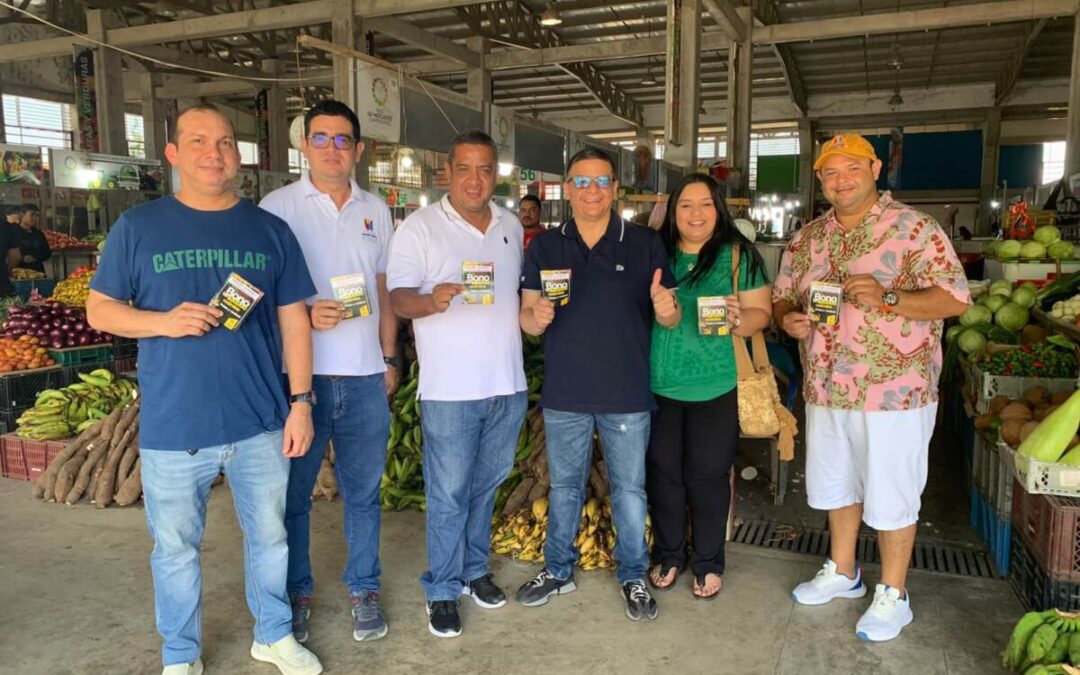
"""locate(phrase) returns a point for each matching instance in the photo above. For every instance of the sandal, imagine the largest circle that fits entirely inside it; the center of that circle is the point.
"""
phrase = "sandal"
(664, 571)
(699, 584)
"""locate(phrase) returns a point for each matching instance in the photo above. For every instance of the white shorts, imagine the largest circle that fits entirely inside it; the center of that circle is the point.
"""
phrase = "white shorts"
(877, 459)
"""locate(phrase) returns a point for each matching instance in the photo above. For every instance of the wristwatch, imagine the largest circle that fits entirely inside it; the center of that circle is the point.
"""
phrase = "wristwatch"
(889, 300)
(392, 361)
(304, 397)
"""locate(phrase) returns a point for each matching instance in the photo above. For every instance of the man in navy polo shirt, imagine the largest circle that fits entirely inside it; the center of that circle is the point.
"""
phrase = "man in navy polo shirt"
(213, 401)
(597, 372)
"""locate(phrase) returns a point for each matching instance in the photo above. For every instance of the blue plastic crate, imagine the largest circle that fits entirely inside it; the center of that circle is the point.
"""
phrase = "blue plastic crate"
(993, 529)
(23, 287)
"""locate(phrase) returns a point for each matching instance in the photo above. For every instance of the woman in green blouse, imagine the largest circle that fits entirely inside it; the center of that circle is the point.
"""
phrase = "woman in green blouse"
(695, 430)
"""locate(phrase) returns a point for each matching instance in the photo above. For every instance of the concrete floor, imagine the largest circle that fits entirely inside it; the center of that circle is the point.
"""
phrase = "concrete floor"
(76, 598)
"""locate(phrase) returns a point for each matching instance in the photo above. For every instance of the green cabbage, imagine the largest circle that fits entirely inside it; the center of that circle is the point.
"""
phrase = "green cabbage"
(1060, 250)
(1001, 287)
(1047, 234)
(1012, 317)
(1007, 250)
(954, 332)
(1032, 250)
(975, 315)
(971, 340)
(1024, 296)
(994, 302)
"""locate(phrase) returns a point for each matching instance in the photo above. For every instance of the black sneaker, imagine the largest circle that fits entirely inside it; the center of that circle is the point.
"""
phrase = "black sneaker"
(484, 592)
(640, 604)
(301, 612)
(536, 592)
(443, 619)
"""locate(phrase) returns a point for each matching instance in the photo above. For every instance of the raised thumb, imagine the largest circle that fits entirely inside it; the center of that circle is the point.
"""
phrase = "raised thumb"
(656, 278)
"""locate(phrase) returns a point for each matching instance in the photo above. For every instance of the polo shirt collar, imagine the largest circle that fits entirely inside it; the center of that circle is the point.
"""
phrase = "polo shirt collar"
(453, 215)
(616, 229)
(885, 199)
(357, 195)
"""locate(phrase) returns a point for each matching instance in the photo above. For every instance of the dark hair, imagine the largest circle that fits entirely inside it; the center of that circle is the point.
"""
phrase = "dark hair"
(473, 137)
(331, 108)
(589, 153)
(724, 234)
(198, 107)
(29, 208)
(530, 198)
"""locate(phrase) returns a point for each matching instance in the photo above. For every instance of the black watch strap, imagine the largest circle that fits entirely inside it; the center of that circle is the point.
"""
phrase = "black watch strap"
(392, 361)
(303, 397)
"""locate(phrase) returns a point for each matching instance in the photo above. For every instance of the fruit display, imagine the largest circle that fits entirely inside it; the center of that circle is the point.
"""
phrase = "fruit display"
(101, 465)
(63, 413)
(1052, 359)
(1054, 438)
(1045, 243)
(54, 325)
(1015, 420)
(1044, 643)
(74, 290)
(402, 483)
(23, 353)
(23, 274)
(59, 240)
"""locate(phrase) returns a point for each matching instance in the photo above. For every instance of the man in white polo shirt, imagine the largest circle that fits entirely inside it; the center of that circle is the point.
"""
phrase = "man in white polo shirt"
(454, 269)
(345, 235)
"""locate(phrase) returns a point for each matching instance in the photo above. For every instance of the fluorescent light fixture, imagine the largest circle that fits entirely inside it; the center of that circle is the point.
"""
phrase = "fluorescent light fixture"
(423, 201)
(995, 204)
(647, 79)
(550, 17)
(505, 168)
(627, 214)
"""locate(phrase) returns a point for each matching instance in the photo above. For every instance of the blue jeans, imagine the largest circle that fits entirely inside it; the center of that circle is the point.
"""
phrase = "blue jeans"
(353, 412)
(468, 452)
(570, 447)
(176, 487)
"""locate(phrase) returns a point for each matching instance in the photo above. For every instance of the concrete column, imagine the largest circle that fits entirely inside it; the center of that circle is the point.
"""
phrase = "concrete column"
(990, 151)
(740, 73)
(685, 96)
(479, 79)
(348, 30)
(806, 166)
(279, 119)
(3, 124)
(109, 85)
(153, 113)
(1072, 148)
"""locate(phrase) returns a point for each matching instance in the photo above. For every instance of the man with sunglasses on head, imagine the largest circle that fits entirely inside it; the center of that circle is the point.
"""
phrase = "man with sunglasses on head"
(597, 372)
(345, 235)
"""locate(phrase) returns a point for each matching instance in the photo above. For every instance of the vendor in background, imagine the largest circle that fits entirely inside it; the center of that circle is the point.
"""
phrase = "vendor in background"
(871, 378)
(695, 431)
(8, 246)
(529, 215)
(30, 240)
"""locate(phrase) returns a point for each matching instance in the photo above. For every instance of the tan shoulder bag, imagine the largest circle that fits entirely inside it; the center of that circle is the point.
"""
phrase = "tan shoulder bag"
(761, 414)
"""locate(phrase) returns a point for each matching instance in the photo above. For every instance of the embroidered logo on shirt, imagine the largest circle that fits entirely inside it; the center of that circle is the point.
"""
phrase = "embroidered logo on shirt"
(368, 224)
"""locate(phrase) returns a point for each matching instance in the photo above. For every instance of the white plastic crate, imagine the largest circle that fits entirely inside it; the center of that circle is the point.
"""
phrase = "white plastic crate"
(982, 388)
(1045, 478)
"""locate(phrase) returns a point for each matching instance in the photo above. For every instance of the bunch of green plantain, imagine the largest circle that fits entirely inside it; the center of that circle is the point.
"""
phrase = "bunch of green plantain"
(402, 484)
(64, 413)
(1044, 643)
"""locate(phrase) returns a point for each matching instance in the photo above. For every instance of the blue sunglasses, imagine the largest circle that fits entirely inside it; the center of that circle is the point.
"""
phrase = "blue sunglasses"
(583, 182)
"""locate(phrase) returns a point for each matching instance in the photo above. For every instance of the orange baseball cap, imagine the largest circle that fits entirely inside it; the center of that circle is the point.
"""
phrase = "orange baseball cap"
(849, 145)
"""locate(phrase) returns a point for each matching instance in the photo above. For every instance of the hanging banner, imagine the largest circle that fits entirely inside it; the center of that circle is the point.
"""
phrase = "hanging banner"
(262, 127)
(21, 164)
(502, 130)
(73, 169)
(896, 157)
(86, 100)
(378, 104)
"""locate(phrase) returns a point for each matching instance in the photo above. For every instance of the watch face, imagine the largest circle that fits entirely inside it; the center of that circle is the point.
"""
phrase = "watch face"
(890, 298)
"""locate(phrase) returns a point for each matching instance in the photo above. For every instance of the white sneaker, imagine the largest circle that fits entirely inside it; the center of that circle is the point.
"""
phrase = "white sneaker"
(290, 657)
(184, 668)
(828, 585)
(886, 617)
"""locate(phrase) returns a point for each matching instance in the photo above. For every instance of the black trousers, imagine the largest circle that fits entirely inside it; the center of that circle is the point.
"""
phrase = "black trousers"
(691, 450)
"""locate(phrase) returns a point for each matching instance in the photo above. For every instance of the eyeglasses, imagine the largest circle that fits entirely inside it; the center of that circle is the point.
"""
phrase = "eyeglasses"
(341, 141)
(583, 182)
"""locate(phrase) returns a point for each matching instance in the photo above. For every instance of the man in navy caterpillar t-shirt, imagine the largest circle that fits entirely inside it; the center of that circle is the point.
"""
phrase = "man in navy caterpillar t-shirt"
(213, 401)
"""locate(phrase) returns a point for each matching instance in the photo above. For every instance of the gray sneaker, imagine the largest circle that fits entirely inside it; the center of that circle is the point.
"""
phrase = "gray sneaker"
(368, 621)
(537, 591)
(301, 612)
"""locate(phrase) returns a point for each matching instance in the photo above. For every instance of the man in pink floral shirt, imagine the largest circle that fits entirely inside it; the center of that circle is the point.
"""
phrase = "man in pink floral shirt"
(872, 376)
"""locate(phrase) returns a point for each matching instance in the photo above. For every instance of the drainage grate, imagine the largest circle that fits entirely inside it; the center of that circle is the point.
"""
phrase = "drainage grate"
(815, 542)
